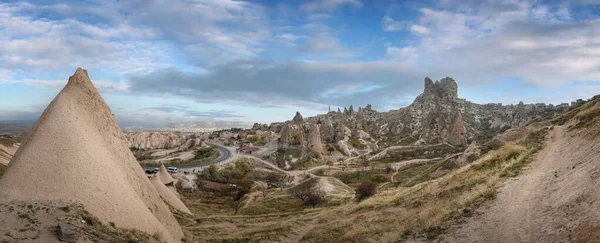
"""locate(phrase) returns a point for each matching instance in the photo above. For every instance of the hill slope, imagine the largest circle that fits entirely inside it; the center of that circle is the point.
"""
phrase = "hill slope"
(555, 200)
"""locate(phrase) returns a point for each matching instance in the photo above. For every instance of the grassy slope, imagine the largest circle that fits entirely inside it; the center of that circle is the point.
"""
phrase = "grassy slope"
(423, 208)
(426, 209)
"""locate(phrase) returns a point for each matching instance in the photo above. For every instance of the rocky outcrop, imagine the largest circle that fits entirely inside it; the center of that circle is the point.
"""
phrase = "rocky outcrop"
(155, 140)
(327, 131)
(259, 126)
(437, 115)
(458, 133)
(298, 118)
(314, 139)
(469, 155)
(291, 135)
(190, 143)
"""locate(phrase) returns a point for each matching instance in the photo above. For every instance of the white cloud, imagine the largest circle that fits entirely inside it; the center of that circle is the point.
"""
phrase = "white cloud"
(402, 53)
(329, 5)
(419, 30)
(513, 40)
(389, 24)
(31, 44)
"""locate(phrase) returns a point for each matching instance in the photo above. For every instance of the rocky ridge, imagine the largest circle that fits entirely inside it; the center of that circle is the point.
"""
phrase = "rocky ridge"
(437, 115)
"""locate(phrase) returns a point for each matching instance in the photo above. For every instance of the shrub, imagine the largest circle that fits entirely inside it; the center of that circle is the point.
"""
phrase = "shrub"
(388, 169)
(355, 144)
(255, 138)
(379, 179)
(302, 190)
(365, 190)
(314, 198)
(330, 149)
(206, 152)
(320, 172)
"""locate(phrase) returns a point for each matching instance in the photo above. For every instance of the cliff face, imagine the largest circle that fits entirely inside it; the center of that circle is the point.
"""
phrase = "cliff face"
(436, 115)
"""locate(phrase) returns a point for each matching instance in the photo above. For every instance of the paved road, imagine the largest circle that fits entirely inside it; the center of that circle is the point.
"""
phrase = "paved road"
(225, 154)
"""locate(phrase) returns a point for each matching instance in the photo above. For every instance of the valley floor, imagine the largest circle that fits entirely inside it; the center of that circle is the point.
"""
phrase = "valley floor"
(555, 200)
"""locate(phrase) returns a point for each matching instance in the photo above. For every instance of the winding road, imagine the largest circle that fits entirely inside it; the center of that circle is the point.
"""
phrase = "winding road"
(224, 151)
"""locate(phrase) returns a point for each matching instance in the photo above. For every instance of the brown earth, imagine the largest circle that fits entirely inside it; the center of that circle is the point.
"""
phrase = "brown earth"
(555, 200)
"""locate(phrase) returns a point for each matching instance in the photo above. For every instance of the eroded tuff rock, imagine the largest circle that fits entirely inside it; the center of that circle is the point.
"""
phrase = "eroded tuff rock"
(437, 115)
(155, 140)
(291, 135)
(458, 133)
(298, 118)
(327, 131)
(314, 139)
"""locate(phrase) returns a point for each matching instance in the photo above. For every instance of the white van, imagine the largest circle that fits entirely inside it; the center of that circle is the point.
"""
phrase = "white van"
(172, 169)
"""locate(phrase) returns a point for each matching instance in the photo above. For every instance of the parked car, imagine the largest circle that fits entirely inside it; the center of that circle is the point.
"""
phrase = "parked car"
(156, 170)
(150, 172)
(172, 169)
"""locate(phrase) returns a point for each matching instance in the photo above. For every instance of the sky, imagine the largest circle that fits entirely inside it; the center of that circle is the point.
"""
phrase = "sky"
(165, 61)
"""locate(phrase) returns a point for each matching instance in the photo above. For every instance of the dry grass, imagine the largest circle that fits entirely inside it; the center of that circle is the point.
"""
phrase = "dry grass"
(589, 118)
(423, 209)
(418, 173)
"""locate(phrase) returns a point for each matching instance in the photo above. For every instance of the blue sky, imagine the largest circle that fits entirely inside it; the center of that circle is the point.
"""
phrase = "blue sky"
(164, 61)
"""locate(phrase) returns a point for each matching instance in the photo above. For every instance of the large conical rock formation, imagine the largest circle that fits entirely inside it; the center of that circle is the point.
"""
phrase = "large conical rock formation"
(164, 176)
(77, 152)
(298, 118)
(168, 196)
(458, 133)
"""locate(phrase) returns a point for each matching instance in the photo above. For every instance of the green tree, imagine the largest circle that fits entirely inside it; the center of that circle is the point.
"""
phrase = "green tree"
(330, 149)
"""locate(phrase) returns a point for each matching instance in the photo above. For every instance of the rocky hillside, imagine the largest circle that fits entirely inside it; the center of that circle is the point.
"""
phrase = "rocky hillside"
(163, 140)
(435, 116)
(438, 115)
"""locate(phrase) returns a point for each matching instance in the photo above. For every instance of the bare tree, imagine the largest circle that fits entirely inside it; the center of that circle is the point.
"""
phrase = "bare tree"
(237, 201)
(309, 192)
(315, 196)
(301, 191)
(365, 190)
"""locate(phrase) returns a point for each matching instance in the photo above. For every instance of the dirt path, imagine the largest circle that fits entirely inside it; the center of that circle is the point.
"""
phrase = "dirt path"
(554, 200)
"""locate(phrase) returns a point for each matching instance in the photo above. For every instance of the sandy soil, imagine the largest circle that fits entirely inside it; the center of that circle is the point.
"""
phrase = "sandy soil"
(331, 186)
(555, 200)
(76, 151)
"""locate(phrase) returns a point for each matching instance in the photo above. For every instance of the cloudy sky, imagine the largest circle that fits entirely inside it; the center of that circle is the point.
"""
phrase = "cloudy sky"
(172, 61)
